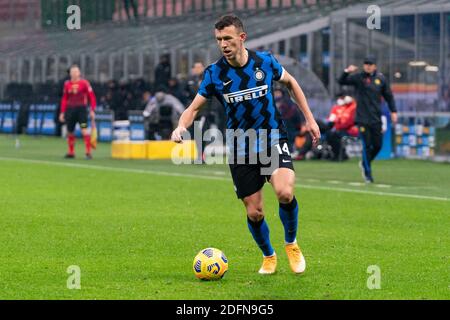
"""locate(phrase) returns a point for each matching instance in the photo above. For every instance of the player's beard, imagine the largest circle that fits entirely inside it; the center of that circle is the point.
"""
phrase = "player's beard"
(229, 55)
(232, 56)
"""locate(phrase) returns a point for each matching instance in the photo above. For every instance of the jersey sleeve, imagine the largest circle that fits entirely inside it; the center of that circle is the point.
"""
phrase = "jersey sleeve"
(277, 68)
(206, 88)
(388, 96)
(347, 79)
(333, 116)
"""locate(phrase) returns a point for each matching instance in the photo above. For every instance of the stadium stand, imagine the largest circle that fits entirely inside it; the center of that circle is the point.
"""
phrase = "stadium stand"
(158, 33)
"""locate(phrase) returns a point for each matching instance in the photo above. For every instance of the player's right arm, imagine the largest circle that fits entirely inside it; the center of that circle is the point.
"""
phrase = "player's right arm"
(347, 78)
(187, 117)
(63, 102)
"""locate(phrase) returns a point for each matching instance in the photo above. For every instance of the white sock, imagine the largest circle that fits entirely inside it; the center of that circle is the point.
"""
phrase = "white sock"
(295, 241)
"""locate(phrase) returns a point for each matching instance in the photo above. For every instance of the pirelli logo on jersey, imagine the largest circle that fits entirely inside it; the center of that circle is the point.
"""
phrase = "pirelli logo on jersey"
(248, 94)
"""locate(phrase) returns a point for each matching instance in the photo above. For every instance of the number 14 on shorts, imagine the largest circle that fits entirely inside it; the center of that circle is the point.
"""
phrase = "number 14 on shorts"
(284, 149)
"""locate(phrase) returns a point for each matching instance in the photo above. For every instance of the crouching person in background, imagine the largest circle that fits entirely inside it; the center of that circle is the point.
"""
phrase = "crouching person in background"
(342, 122)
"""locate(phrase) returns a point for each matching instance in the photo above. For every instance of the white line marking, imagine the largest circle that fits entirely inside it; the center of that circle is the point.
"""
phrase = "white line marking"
(187, 175)
(355, 184)
(382, 185)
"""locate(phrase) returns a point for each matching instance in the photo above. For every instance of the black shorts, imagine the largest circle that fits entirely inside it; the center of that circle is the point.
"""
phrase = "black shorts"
(250, 178)
(74, 115)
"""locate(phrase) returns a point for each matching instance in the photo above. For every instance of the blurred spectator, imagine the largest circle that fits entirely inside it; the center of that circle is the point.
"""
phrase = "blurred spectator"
(342, 122)
(112, 95)
(163, 72)
(127, 4)
(304, 148)
(146, 97)
(174, 89)
(61, 83)
(103, 103)
(161, 115)
(119, 102)
(302, 143)
(16, 91)
(194, 80)
(290, 114)
(127, 104)
(444, 102)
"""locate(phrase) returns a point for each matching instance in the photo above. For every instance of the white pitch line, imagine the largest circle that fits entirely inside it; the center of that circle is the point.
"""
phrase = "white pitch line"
(377, 193)
(334, 181)
(355, 184)
(382, 185)
(106, 168)
(187, 175)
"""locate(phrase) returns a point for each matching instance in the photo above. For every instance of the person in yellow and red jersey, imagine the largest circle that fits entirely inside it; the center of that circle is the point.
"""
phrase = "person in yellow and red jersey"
(77, 93)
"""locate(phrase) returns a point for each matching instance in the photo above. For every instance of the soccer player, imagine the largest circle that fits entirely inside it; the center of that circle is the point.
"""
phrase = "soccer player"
(370, 85)
(242, 81)
(74, 108)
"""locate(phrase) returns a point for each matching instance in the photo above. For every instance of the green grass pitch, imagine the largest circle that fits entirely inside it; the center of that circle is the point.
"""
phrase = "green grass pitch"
(134, 227)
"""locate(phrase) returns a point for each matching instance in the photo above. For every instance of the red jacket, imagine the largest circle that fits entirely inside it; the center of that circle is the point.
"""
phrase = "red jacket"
(76, 94)
(343, 118)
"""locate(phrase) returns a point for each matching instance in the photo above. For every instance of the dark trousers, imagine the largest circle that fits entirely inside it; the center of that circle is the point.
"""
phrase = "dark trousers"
(372, 141)
(133, 6)
(334, 139)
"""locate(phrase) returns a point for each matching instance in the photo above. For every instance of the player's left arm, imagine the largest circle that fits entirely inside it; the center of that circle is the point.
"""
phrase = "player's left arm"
(389, 97)
(299, 97)
(92, 100)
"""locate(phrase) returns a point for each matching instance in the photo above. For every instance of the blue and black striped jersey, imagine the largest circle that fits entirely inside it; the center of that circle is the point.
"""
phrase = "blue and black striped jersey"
(246, 93)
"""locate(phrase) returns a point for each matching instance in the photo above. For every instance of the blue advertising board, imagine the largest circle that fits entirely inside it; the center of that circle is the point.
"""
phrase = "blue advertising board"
(8, 116)
(41, 119)
(137, 128)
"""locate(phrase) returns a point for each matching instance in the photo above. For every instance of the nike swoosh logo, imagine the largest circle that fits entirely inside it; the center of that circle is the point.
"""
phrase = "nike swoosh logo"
(227, 83)
(284, 161)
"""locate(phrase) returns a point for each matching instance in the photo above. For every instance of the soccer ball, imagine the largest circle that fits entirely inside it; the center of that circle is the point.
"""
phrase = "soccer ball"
(210, 264)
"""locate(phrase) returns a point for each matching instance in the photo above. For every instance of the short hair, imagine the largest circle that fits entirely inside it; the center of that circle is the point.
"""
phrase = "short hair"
(74, 65)
(229, 20)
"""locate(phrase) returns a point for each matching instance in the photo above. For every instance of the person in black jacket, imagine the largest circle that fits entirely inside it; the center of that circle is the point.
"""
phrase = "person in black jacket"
(370, 86)
(163, 72)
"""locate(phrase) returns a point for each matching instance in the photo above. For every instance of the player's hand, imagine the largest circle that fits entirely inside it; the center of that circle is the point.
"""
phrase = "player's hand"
(92, 115)
(394, 117)
(177, 134)
(62, 118)
(351, 68)
(314, 131)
